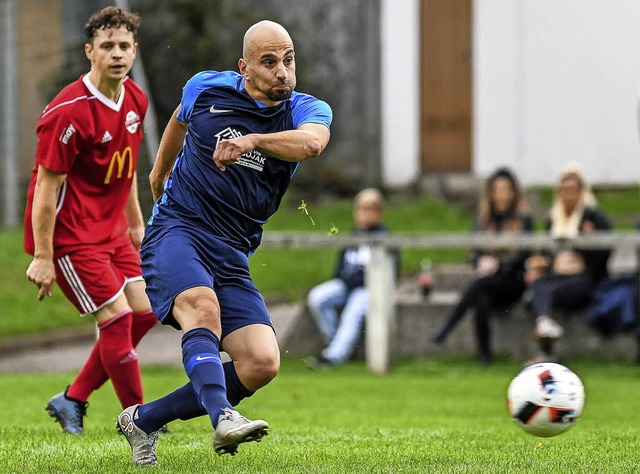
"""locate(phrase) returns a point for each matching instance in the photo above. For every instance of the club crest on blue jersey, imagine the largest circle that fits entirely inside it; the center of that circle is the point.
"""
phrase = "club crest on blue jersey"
(253, 159)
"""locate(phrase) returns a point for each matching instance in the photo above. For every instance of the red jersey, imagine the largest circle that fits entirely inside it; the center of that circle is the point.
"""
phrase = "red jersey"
(95, 142)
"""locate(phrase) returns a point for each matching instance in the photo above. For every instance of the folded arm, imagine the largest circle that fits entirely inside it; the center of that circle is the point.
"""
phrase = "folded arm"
(307, 141)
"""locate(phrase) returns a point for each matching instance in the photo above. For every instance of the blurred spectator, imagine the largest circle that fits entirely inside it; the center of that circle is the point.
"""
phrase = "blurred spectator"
(565, 279)
(499, 274)
(346, 291)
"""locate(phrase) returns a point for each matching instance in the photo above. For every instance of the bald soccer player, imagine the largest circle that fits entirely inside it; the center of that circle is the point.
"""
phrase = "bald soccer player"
(225, 160)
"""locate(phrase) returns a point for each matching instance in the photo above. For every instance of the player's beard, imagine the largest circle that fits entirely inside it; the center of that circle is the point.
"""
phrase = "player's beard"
(279, 95)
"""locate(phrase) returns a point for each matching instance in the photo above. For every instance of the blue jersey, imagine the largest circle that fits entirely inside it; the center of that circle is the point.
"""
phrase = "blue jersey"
(232, 205)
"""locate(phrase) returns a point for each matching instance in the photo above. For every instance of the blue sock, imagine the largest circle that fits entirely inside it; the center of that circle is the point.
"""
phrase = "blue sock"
(236, 391)
(201, 359)
(182, 404)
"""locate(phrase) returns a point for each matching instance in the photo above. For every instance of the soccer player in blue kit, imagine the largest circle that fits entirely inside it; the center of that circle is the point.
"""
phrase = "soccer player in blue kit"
(225, 160)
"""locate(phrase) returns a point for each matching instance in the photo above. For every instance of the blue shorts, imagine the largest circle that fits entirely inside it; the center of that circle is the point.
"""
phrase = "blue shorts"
(177, 257)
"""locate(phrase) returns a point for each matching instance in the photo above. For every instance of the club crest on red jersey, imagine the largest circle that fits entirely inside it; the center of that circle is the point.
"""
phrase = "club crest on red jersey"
(132, 121)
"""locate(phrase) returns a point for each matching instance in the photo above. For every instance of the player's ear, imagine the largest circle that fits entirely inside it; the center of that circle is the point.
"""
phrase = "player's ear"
(88, 51)
(242, 67)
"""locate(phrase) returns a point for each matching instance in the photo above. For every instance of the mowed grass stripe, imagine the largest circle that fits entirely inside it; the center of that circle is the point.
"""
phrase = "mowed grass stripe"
(432, 415)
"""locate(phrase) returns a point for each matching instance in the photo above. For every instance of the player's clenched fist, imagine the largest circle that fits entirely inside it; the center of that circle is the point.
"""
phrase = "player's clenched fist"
(228, 152)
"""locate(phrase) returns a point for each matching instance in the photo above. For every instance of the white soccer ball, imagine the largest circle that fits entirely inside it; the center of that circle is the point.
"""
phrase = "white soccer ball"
(546, 399)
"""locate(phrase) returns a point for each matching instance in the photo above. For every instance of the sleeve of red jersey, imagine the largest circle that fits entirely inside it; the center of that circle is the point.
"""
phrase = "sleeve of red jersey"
(59, 138)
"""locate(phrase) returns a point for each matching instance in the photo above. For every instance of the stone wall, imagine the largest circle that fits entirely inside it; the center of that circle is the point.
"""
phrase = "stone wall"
(417, 317)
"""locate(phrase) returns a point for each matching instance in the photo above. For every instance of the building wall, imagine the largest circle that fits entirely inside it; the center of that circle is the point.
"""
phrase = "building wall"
(557, 81)
(554, 81)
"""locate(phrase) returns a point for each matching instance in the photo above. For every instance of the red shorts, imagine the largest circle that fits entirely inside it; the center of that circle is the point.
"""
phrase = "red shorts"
(93, 276)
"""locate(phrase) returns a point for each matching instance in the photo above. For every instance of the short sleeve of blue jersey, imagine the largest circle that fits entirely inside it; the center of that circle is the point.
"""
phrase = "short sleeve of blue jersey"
(308, 109)
(201, 82)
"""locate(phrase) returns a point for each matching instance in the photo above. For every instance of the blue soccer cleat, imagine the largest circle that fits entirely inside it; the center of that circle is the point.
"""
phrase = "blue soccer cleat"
(68, 412)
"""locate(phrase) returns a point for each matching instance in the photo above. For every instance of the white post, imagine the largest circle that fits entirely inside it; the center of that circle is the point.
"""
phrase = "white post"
(9, 112)
(380, 321)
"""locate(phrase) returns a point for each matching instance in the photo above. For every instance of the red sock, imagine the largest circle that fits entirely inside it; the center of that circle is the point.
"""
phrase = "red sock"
(142, 322)
(93, 375)
(120, 359)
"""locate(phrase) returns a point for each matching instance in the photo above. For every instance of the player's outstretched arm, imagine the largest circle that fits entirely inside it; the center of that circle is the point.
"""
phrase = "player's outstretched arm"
(170, 146)
(307, 141)
(41, 270)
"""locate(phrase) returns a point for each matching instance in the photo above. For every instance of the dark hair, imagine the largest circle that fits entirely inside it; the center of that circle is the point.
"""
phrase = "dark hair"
(505, 173)
(485, 207)
(111, 17)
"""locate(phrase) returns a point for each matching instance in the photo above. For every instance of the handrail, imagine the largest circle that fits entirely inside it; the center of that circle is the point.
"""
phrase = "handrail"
(480, 240)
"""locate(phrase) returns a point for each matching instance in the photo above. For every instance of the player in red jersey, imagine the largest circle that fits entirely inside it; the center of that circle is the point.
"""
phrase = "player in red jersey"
(83, 222)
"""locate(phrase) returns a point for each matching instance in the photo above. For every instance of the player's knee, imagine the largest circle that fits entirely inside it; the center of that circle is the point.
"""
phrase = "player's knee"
(197, 310)
(264, 369)
(315, 299)
(271, 369)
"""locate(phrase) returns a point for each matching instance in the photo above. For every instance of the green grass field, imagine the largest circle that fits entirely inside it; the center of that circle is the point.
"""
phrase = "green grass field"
(427, 416)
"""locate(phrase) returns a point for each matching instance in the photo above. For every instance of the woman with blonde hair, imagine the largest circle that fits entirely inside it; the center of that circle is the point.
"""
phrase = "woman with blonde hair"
(572, 274)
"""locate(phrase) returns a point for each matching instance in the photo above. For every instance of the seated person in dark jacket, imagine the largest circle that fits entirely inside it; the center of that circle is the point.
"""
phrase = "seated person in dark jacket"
(347, 290)
(566, 278)
(499, 274)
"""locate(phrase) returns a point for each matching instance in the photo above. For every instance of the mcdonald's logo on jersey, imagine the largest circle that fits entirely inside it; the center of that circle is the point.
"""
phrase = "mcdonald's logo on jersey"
(120, 159)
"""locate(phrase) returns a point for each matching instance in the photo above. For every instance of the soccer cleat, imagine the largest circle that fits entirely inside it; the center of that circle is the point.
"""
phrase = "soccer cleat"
(233, 429)
(143, 445)
(438, 336)
(68, 412)
(485, 359)
(548, 328)
(318, 363)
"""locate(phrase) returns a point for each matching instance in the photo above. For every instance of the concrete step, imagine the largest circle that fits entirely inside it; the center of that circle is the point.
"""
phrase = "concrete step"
(417, 317)
(512, 333)
(452, 277)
